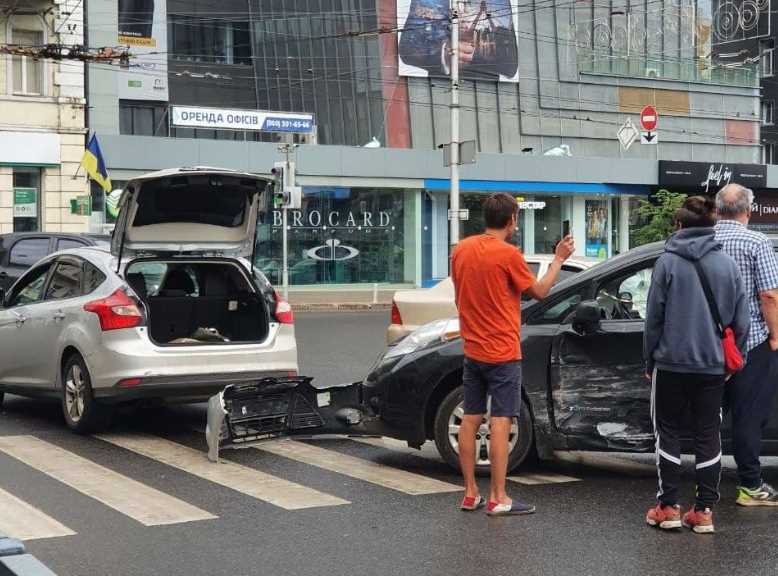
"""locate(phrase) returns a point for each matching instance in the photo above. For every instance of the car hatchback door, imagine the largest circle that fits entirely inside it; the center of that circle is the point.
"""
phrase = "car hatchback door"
(599, 390)
(21, 330)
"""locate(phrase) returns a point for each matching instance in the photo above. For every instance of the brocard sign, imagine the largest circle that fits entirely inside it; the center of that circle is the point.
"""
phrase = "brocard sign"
(254, 120)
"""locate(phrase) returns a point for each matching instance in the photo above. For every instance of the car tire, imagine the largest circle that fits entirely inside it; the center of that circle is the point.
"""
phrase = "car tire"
(83, 414)
(448, 415)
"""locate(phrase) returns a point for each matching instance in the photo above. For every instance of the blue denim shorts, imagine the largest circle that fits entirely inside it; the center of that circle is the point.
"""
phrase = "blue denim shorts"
(500, 381)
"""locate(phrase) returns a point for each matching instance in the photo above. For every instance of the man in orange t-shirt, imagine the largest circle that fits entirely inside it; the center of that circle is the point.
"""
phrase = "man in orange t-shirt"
(489, 277)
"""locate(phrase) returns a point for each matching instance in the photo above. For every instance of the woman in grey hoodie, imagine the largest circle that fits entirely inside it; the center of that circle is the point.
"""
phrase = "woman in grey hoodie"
(685, 361)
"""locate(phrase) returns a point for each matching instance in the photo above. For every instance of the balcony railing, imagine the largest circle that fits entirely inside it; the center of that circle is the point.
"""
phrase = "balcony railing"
(684, 70)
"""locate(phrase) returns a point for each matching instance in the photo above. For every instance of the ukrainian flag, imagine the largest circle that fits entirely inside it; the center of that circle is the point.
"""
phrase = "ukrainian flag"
(94, 164)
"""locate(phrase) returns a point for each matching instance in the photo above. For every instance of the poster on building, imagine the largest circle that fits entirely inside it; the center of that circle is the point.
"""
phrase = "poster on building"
(488, 39)
(143, 28)
(764, 212)
(596, 229)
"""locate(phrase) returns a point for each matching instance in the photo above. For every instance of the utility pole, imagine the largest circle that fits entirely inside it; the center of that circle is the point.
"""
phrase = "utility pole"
(453, 214)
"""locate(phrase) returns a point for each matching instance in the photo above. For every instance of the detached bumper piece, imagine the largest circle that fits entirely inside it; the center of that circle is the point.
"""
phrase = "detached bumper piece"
(273, 407)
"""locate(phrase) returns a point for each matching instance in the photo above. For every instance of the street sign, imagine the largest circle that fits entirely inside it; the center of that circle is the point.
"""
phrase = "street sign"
(627, 134)
(81, 205)
(649, 137)
(648, 118)
(466, 153)
(464, 214)
(25, 202)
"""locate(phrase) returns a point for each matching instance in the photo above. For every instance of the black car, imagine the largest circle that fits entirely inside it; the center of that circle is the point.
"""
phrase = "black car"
(20, 250)
(583, 373)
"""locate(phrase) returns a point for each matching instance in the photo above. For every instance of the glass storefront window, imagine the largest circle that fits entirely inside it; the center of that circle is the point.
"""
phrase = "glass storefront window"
(548, 225)
(340, 236)
(27, 199)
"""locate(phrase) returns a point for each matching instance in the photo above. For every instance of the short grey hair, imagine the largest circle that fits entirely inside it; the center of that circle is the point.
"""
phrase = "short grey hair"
(734, 200)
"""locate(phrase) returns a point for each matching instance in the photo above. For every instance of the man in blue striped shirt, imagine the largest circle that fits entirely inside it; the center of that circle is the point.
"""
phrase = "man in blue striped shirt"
(751, 392)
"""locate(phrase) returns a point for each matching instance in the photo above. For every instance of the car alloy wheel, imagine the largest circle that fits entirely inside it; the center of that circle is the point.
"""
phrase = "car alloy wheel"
(448, 421)
(74, 393)
(482, 435)
(83, 414)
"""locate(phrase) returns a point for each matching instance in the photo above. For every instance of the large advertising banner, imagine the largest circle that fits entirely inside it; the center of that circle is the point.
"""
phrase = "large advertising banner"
(488, 39)
(143, 27)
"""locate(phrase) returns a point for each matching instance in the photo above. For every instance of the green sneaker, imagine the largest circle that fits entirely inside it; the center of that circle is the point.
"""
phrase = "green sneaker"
(765, 495)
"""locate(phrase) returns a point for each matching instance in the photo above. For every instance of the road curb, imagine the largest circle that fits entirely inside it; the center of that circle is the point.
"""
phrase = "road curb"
(342, 307)
(14, 560)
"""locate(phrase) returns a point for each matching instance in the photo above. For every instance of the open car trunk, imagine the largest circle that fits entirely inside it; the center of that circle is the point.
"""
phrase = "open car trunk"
(199, 302)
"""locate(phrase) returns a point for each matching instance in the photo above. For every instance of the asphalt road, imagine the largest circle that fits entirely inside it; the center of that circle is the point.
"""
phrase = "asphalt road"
(589, 520)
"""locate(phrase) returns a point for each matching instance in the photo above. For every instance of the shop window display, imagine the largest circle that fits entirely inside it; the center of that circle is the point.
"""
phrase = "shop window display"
(339, 236)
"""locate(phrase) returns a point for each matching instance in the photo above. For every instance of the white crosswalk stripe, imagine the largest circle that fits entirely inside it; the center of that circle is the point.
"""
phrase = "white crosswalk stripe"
(140, 502)
(271, 489)
(359, 468)
(427, 451)
(21, 520)
(535, 479)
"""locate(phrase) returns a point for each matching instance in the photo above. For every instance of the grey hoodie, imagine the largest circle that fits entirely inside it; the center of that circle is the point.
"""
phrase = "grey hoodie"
(680, 334)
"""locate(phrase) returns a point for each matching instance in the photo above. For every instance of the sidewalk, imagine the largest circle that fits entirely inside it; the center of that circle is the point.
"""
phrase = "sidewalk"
(334, 299)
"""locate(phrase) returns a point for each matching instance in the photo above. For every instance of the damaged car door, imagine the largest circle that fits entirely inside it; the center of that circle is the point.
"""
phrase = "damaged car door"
(600, 395)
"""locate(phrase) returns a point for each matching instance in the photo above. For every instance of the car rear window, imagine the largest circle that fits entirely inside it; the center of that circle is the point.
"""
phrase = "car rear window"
(66, 243)
(27, 252)
(199, 199)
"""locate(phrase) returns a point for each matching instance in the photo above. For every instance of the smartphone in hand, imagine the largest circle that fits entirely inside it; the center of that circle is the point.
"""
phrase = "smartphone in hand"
(565, 228)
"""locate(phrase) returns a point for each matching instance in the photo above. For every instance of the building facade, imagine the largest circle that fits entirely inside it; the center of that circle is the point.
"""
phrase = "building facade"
(41, 119)
(546, 88)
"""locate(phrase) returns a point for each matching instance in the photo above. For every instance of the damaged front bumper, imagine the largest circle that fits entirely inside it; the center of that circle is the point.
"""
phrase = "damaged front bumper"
(244, 414)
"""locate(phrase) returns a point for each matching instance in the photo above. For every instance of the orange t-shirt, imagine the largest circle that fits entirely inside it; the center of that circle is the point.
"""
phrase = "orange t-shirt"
(489, 276)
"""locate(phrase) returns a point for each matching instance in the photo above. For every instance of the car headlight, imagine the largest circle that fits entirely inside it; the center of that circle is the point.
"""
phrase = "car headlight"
(438, 331)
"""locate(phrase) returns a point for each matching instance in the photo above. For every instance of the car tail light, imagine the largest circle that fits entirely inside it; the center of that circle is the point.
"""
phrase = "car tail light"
(115, 312)
(396, 318)
(284, 313)
(130, 382)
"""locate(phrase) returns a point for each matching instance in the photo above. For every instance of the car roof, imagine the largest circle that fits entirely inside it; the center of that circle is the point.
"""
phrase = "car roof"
(619, 261)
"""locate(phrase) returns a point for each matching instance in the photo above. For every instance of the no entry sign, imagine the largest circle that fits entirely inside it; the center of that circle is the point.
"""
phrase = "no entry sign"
(648, 118)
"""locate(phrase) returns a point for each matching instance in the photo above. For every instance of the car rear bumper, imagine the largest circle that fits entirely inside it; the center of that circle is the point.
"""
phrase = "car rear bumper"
(190, 388)
(184, 372)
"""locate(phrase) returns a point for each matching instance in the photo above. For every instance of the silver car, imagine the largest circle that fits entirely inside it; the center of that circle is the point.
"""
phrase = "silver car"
(174, 311)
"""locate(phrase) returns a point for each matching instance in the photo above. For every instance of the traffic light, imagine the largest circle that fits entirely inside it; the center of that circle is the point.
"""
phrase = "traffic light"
(280, 196)
(285, 195)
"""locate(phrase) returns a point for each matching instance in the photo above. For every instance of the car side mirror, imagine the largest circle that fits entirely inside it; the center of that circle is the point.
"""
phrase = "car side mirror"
(587, 316)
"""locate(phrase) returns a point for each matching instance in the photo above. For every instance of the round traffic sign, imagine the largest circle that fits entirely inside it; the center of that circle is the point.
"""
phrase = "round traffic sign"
(648, 118)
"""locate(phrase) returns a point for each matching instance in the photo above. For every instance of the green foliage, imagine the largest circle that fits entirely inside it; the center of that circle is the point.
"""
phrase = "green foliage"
(655, 215)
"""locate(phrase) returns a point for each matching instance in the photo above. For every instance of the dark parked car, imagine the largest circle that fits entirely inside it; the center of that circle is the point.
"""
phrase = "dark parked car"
(583, 373)
(20, 250)
(584, 383)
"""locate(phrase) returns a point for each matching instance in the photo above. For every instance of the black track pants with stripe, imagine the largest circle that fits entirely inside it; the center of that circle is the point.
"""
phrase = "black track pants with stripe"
(680, 404)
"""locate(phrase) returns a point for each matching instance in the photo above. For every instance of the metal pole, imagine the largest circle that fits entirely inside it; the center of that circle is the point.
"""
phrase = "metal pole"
(454, 106)
(288, 181)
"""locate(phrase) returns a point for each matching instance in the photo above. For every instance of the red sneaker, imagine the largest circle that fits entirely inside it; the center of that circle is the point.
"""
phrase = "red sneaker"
(470, 503)
(700, 521)
(664, 517)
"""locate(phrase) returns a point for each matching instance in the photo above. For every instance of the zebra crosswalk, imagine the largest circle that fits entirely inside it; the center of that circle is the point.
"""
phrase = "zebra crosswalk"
(28, 519)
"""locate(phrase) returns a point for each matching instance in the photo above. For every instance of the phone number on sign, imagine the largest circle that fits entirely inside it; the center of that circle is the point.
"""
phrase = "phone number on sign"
(287, 124)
